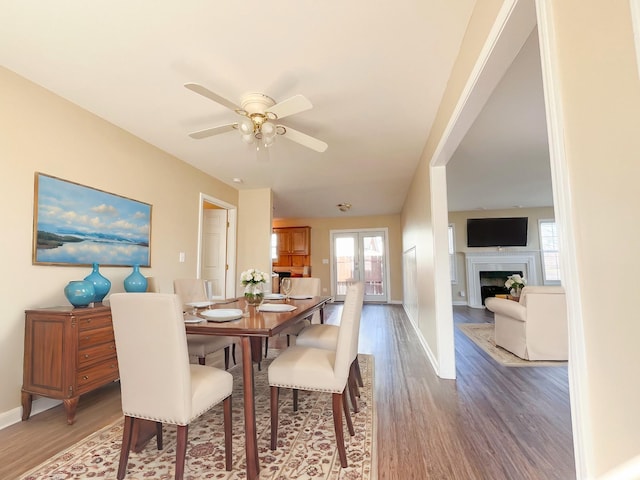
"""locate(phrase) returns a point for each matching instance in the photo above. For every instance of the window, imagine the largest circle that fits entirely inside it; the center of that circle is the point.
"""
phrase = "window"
(549, 251)
(453, 270)
(274, 246)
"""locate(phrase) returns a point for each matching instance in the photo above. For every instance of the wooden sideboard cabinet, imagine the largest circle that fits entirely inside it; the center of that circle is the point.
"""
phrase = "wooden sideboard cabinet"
(67, 352)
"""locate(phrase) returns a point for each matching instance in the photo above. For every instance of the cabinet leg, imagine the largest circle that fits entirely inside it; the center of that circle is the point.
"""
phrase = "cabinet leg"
(70, 405)
(27, 400)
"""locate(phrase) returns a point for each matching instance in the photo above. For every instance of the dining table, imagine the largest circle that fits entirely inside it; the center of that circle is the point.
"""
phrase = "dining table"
(252, 328)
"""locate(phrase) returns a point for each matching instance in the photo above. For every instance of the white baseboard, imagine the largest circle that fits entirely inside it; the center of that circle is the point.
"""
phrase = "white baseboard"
(461, 303)
(39, 405)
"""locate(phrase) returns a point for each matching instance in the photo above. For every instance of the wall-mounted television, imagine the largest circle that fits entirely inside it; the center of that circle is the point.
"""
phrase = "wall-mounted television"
(497, 232)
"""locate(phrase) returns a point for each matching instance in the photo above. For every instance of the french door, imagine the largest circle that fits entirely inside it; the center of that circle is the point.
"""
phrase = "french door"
(360, 255)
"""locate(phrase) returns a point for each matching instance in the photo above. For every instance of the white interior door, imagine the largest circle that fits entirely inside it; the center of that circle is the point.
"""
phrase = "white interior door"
(360, 255)
(214, 250)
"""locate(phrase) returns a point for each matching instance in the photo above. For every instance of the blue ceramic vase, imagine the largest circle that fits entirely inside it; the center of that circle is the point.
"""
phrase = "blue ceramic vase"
(135, 282)
(80, 293)
(101, 284)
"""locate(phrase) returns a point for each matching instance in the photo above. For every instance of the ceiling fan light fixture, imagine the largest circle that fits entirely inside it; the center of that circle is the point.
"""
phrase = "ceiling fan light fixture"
(246, 126)
(268, 130)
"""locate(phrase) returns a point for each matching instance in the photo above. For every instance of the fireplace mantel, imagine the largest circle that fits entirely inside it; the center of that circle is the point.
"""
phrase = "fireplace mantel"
(498, 261)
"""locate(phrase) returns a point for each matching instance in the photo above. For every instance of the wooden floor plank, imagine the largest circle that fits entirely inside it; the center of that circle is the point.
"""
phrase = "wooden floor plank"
(492, 422)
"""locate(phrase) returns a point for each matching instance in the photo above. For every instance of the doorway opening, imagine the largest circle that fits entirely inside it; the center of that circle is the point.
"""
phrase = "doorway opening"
(217, 246)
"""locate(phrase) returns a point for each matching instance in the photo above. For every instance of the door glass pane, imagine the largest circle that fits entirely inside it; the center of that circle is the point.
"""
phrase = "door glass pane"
(373, 249)
(345, 263)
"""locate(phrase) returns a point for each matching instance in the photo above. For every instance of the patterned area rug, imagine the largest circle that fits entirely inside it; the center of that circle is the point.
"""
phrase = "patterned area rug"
(306, 447)
(482, 335)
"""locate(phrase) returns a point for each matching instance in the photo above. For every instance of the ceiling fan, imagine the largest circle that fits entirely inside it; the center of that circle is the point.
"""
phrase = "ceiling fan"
(259, 114)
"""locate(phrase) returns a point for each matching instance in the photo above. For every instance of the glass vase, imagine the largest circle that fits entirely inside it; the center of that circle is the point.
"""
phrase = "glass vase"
(253, 294)
(135, 282)
(101, 284)
(80, 293)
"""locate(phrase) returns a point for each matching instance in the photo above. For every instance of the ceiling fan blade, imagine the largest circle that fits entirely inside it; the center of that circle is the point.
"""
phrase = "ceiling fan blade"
(205, 92)
(210, 132)
(304, 139)
(291, 106)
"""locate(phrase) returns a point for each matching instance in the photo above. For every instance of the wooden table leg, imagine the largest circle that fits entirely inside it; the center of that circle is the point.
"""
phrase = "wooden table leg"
(251, 440)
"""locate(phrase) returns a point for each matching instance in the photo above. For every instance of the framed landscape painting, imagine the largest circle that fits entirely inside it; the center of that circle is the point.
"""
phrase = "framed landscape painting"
(78, 225)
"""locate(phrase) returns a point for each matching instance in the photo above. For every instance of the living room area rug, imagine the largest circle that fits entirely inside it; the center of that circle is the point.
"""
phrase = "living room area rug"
(307, 437)
(482, 334)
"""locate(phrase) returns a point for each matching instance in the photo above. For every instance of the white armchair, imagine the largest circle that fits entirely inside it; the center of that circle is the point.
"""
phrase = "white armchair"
(535, 328)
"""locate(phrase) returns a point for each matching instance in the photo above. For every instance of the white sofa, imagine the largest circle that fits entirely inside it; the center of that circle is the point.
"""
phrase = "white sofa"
(535, 328)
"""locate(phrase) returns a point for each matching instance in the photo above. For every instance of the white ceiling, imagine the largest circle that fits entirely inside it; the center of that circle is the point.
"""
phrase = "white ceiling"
(375, 73)
(503, 161)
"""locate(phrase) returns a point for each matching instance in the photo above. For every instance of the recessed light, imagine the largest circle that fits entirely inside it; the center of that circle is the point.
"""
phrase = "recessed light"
(344, 206)
(238, 180)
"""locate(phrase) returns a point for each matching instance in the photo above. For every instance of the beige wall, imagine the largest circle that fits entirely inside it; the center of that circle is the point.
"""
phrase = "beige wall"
(416, 217)
(254, 221)
(599, 93)
(459, 220)
(41, 132)
(321, 243)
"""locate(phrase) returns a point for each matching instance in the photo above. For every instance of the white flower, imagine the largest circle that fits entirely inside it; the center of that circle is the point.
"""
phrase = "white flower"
(515, 281)
(253, 276)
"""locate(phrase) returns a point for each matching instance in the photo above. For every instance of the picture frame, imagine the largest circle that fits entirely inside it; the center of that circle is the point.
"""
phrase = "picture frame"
(635, 20)
(74, 224)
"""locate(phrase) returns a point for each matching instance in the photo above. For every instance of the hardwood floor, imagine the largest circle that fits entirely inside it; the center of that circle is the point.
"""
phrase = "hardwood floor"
(493, 422)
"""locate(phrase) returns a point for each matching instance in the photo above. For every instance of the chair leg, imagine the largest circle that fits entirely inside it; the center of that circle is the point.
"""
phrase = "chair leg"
(226, 357)
(353, 375)
(288, 340)
(295, 399)
(352, 387)
(228, 430)
(159, 441)
(127, 434)
(358, 374)
(337, 425)
(347, 415)
(181, 450)
(274, 416)
(233, 353)
(266, 346)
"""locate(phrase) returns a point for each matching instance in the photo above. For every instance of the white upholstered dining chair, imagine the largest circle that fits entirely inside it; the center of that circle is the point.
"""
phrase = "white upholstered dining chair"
(321, 370)
(304, 286)
(157, 381)
(194, 290)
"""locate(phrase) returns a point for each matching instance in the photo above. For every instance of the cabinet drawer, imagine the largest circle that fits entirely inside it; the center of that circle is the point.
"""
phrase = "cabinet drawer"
(90, 322)
(92, 377)
(90, 355)
(95, 336)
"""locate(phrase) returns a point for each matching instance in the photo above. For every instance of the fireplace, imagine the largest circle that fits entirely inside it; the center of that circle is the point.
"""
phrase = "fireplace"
(492, 282)
(524, 263)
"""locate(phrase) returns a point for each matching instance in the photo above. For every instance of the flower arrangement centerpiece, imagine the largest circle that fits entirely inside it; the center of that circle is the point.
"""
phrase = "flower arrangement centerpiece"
(515, 283)
(253, 280)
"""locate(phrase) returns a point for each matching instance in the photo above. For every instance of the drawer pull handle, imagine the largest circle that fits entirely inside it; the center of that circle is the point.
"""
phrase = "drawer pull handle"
(85, 377)
(86, 355)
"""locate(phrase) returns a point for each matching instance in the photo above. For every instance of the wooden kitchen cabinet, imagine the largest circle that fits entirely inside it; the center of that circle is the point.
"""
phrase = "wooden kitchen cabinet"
(67, 352)
(293, 240)
(294, 248)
